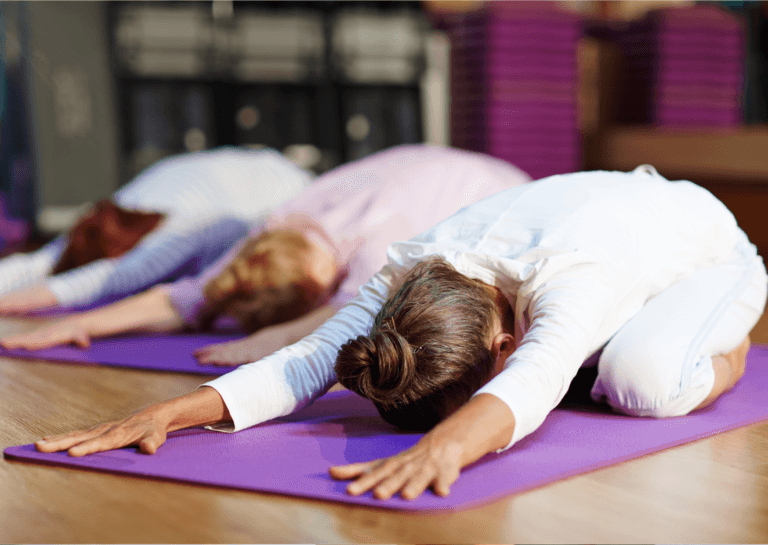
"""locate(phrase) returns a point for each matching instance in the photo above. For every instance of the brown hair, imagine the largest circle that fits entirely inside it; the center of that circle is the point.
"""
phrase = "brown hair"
(266, 283)
(427, 352)
(108, 231)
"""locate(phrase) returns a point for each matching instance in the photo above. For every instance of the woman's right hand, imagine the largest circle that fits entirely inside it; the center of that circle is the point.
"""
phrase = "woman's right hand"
(146, 429)
(67, 331)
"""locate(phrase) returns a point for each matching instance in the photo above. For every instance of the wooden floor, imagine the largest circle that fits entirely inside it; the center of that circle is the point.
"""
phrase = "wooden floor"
(711, 490)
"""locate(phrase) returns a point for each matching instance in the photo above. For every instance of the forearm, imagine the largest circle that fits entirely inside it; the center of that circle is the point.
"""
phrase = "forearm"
(148, 311)
(484, 424)
(202, 407)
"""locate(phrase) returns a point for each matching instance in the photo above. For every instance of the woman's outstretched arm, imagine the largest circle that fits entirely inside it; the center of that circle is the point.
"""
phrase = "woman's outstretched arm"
(484, 424)
(22, 277)
(146, 428)
(148, 311)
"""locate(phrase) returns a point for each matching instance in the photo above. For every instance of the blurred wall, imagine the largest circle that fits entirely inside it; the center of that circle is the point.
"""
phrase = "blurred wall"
(71, 105)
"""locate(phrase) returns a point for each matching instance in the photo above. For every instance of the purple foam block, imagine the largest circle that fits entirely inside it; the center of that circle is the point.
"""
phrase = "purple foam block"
(570, 141)
(519, 119)
(521, 57)
(568, 144)
(710, 95)
(673, 77)
(523, 93)
(700, 65)
(527, 13)
(565, 157)
(687, 18)
(525, 72)
(705, 39)
(696, 116)
(530, 106)
(718, 55)
(291, 455)
(551, 42)
(513, 125)
(687, 65)
(155, 352)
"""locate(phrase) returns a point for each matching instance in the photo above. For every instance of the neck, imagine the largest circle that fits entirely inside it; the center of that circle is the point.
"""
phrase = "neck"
(325, 266)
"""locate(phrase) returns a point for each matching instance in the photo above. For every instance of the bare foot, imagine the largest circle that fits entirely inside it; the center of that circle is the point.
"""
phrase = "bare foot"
(729, 368)
(737, 358)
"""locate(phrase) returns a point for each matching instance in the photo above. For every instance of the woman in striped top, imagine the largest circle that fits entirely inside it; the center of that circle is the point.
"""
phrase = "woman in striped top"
(204, 202)
(308, 259)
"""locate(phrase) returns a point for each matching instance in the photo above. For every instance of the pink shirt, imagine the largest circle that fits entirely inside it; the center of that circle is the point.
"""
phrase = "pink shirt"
(365, 205)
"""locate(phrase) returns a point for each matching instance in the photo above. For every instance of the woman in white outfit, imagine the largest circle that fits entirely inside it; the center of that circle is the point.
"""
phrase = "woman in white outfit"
(475, 328)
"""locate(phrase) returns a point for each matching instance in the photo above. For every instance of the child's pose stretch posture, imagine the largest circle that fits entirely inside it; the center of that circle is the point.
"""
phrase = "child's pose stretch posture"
(174, 219)
(307, 259)
(476, 327)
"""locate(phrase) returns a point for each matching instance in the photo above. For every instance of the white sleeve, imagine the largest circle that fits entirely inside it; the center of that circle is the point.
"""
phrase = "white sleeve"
(21, 270)
(296, 375)
(176, 249)
(566, 313)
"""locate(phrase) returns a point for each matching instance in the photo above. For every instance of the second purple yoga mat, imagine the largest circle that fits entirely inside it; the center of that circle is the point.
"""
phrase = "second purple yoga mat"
(292, 455)
(155, 352)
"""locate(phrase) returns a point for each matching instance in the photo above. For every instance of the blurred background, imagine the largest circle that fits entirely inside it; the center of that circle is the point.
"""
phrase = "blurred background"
(93, 92)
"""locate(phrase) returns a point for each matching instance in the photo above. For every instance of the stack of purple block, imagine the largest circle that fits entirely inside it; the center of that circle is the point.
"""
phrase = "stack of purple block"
(685, 67)
(514, 85)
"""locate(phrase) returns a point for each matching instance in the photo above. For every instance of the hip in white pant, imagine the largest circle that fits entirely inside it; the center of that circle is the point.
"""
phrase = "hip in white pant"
(659, 364)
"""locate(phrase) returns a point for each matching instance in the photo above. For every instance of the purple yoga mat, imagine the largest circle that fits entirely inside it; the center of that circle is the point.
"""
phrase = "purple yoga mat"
(291, 455)
(155, 352)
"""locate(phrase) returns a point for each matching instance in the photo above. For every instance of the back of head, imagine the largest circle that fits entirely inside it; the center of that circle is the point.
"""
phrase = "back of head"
(268, 282)
(108, 231)
(428, 350)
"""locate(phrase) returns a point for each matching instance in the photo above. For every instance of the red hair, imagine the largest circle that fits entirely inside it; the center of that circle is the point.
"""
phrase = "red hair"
(108, 231)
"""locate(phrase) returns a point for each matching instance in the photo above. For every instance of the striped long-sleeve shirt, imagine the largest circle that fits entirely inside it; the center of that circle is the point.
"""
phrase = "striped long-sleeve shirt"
(210, 199)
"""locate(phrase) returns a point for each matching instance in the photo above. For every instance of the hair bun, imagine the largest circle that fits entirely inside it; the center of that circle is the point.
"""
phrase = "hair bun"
(379, 367)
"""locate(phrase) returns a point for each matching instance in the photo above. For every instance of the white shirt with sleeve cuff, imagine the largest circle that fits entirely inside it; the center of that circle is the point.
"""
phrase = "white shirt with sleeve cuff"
(576, 255)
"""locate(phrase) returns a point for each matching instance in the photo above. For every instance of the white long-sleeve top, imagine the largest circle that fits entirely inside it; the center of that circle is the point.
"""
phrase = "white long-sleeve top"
(210, 200)
(576, 255)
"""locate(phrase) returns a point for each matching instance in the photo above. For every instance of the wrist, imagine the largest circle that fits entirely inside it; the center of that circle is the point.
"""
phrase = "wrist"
(85, 323)
(484, 424)
(201, 407)
(163, 414)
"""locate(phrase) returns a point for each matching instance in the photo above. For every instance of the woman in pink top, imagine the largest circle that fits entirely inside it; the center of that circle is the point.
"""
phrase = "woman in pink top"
(308, 258)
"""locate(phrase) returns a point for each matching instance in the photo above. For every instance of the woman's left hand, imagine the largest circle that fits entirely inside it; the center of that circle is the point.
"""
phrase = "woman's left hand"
(253, 348)
(482, 425)
(430, 463)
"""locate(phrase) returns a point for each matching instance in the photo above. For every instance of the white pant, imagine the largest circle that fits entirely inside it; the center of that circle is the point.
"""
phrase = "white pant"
(659, 363)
